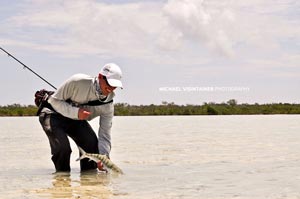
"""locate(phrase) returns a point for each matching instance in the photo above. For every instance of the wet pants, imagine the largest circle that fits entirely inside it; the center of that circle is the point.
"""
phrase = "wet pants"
(57, 129)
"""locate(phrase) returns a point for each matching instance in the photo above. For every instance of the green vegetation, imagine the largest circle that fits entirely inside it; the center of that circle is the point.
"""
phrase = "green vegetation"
(18, 110)
(231, 107)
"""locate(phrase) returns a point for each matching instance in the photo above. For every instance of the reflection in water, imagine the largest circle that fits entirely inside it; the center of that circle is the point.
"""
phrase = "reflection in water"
(61, 186)
(87, 185)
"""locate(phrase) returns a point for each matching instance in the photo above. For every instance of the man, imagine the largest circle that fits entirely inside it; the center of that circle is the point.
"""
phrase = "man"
(79, 99)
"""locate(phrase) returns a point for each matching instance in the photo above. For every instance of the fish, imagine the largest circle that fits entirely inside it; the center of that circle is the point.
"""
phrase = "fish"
(97, 158)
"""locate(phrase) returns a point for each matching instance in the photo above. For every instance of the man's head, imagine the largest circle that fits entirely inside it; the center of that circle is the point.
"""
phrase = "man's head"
(110, 78)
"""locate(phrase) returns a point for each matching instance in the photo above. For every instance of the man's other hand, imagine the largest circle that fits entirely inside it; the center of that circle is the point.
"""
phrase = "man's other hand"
(83, 114)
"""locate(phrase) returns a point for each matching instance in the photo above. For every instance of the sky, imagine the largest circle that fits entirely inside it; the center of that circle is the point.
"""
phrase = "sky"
(181, 51)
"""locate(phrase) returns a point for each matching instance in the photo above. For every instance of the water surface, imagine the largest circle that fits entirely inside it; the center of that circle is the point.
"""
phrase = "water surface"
(162, 157)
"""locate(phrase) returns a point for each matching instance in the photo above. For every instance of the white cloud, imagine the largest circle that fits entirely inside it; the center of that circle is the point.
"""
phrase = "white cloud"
(88, 26)
(194, 21)
(163, 32)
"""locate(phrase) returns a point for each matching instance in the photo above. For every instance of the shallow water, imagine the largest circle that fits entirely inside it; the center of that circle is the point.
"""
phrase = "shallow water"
(162, 157)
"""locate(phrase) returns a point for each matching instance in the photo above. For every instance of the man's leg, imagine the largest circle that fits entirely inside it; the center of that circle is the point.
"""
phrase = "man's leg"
(59, 143)
(85, 137)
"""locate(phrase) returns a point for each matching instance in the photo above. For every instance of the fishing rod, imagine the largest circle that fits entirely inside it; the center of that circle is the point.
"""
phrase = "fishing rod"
(10, 55)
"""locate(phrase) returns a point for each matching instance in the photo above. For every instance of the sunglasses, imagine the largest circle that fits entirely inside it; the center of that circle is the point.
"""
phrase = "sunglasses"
(108, 83)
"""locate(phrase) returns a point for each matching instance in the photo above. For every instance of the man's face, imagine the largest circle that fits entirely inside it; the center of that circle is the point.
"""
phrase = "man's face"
(105, 87)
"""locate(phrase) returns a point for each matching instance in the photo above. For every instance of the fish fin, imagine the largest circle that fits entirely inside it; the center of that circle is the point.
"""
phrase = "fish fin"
(82, 154)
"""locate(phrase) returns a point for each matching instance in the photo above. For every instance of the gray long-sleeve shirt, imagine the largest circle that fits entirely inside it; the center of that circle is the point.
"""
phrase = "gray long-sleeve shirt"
(81, 89)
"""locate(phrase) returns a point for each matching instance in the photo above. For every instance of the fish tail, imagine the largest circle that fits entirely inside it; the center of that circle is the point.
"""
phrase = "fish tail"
(83, 154)
(98, 157)
(117, 169)
(109, 164)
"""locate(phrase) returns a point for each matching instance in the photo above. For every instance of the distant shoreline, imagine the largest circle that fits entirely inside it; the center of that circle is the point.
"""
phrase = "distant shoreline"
(123, 109)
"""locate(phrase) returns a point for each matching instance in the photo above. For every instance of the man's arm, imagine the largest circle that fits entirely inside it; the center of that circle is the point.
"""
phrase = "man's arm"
(58, 100)
(64, 108)
(105, 125)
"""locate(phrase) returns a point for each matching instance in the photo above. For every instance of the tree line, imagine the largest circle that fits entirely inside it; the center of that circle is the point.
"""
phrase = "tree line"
(231, 107)
(18, 110)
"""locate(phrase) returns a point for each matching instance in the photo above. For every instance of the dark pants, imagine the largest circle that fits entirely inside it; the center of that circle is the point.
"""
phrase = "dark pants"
(58, 128)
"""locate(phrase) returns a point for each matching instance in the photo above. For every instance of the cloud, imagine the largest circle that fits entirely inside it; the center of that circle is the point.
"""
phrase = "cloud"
(162, 32)
(193, 20)
(224, 26)
(88, 26)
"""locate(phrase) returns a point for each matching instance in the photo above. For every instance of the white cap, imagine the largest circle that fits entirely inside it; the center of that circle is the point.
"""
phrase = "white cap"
(113, 74)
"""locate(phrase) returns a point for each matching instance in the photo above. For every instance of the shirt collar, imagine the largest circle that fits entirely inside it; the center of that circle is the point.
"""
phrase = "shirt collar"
(98, 91)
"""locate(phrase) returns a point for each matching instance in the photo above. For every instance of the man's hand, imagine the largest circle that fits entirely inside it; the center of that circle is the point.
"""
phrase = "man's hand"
(83, 114)
(100, 166)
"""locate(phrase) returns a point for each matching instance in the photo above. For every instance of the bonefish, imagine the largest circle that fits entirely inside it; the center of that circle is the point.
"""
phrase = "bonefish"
(97, 158)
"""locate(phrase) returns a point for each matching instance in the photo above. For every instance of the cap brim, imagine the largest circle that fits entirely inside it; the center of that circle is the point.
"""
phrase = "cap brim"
(115, 83)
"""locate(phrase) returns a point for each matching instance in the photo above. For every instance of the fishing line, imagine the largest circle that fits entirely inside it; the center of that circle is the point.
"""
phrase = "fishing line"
(26, 67)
